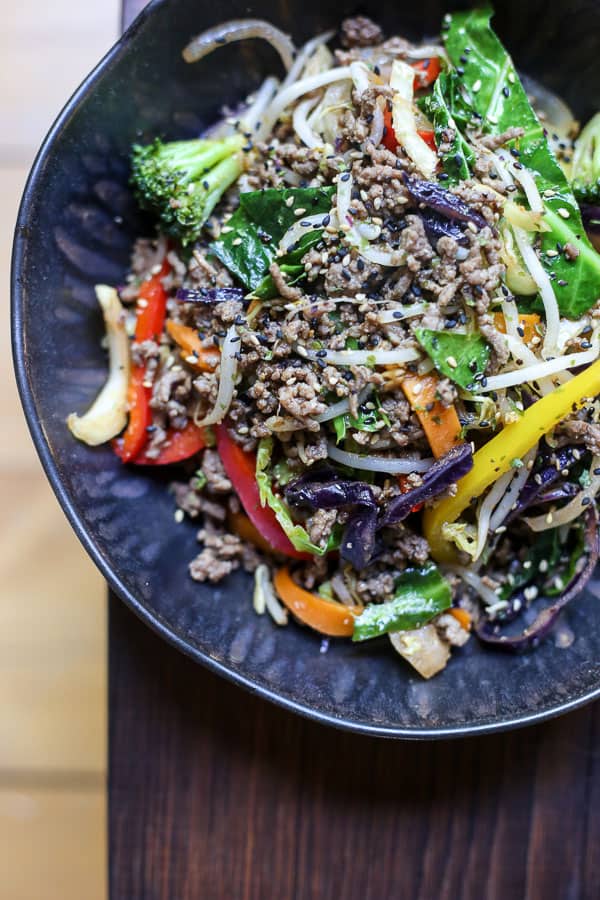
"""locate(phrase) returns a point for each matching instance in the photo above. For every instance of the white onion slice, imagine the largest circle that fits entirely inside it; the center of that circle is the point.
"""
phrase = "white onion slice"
(240, 30)
(343, 405)
(390, 465)
(541, 369)
(368, 231)
(264, 598)
(403, 119)
(536, 270)
(487, 594)
(515, 487)
(301, 126)
(107, 416)
(490, 501)
(527, 182)
(304, 55)
(573, 509)
(293, 91)
(360, 77)
(377, 125)
(343, 197)
(364, 357)
(227, 375)
(298, 230)
(389, 316)
(263, 96)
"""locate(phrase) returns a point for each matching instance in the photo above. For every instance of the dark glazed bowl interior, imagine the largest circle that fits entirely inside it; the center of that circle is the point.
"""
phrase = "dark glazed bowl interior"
(75, 228)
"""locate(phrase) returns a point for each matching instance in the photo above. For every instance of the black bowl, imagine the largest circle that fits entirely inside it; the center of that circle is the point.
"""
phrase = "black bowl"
(75, 228)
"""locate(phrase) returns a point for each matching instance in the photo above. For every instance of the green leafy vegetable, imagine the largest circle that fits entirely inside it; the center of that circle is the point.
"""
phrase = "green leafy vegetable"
(371, 417)
(252, 234)
(449, 111)
(501, 101)
(181, 182)
(586, 163)
(420, 594)
(296, 533)
(460, 357)
(556, 558)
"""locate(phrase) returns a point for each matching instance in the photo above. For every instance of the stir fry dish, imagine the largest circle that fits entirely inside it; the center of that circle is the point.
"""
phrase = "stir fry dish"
(365, 336)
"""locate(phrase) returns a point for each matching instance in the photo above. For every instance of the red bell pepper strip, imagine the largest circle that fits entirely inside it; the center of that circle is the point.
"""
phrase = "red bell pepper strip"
(240, 467)
(405, 486)
(178, 446)
(427, 71)
(389, 138)
(151, 310)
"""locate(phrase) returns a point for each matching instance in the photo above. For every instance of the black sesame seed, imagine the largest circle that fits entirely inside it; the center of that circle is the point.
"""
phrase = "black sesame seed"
(506, 91)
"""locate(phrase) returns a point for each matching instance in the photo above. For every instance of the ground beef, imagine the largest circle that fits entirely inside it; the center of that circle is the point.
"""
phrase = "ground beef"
(279, 280)
(403, 546)
(217, 481)
(493, 141)
(171, 394)
(581, 432)
(450, 630)
(193, 503)
(360, 32)
(376, 587)
(222, 554)
(496, 340)
(319, 525)
(446, 392)
(414, 241)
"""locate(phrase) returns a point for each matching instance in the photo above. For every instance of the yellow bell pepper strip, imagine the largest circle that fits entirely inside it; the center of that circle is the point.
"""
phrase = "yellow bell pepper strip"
(495, 458)
(527, 321)
(199, 357)
(325, 616)
(440, 423)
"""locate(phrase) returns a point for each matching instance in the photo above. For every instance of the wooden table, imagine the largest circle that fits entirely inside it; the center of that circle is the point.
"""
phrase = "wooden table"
(217, 795)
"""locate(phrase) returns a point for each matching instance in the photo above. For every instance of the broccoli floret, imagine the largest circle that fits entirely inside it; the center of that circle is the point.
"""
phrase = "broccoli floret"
(182, 181)
(585, 172)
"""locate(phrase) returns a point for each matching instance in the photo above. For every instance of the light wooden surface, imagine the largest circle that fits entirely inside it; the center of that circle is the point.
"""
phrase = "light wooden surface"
(52, 600)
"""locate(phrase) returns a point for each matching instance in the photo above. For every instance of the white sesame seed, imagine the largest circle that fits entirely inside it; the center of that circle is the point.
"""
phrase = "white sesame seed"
(511, 77)
(551, 252)
(226, 229)
(549, 193)
(477, 86)
(179, 514)
(563, 212)
(142, 303)
(300, 211)
(451, 362)
(289, 202)
(236, 242)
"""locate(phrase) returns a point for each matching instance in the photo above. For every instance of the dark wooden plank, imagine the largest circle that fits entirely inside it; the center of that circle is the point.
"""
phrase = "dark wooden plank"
(217, 794)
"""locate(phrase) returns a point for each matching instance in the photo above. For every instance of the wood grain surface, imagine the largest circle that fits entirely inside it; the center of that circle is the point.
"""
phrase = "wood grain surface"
(215, 794)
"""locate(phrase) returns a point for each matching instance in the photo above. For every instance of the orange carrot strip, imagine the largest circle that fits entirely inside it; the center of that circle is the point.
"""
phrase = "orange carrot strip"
(205, 359)
(325, 616)
(440, 423)
(527, 321)
(462, 616)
